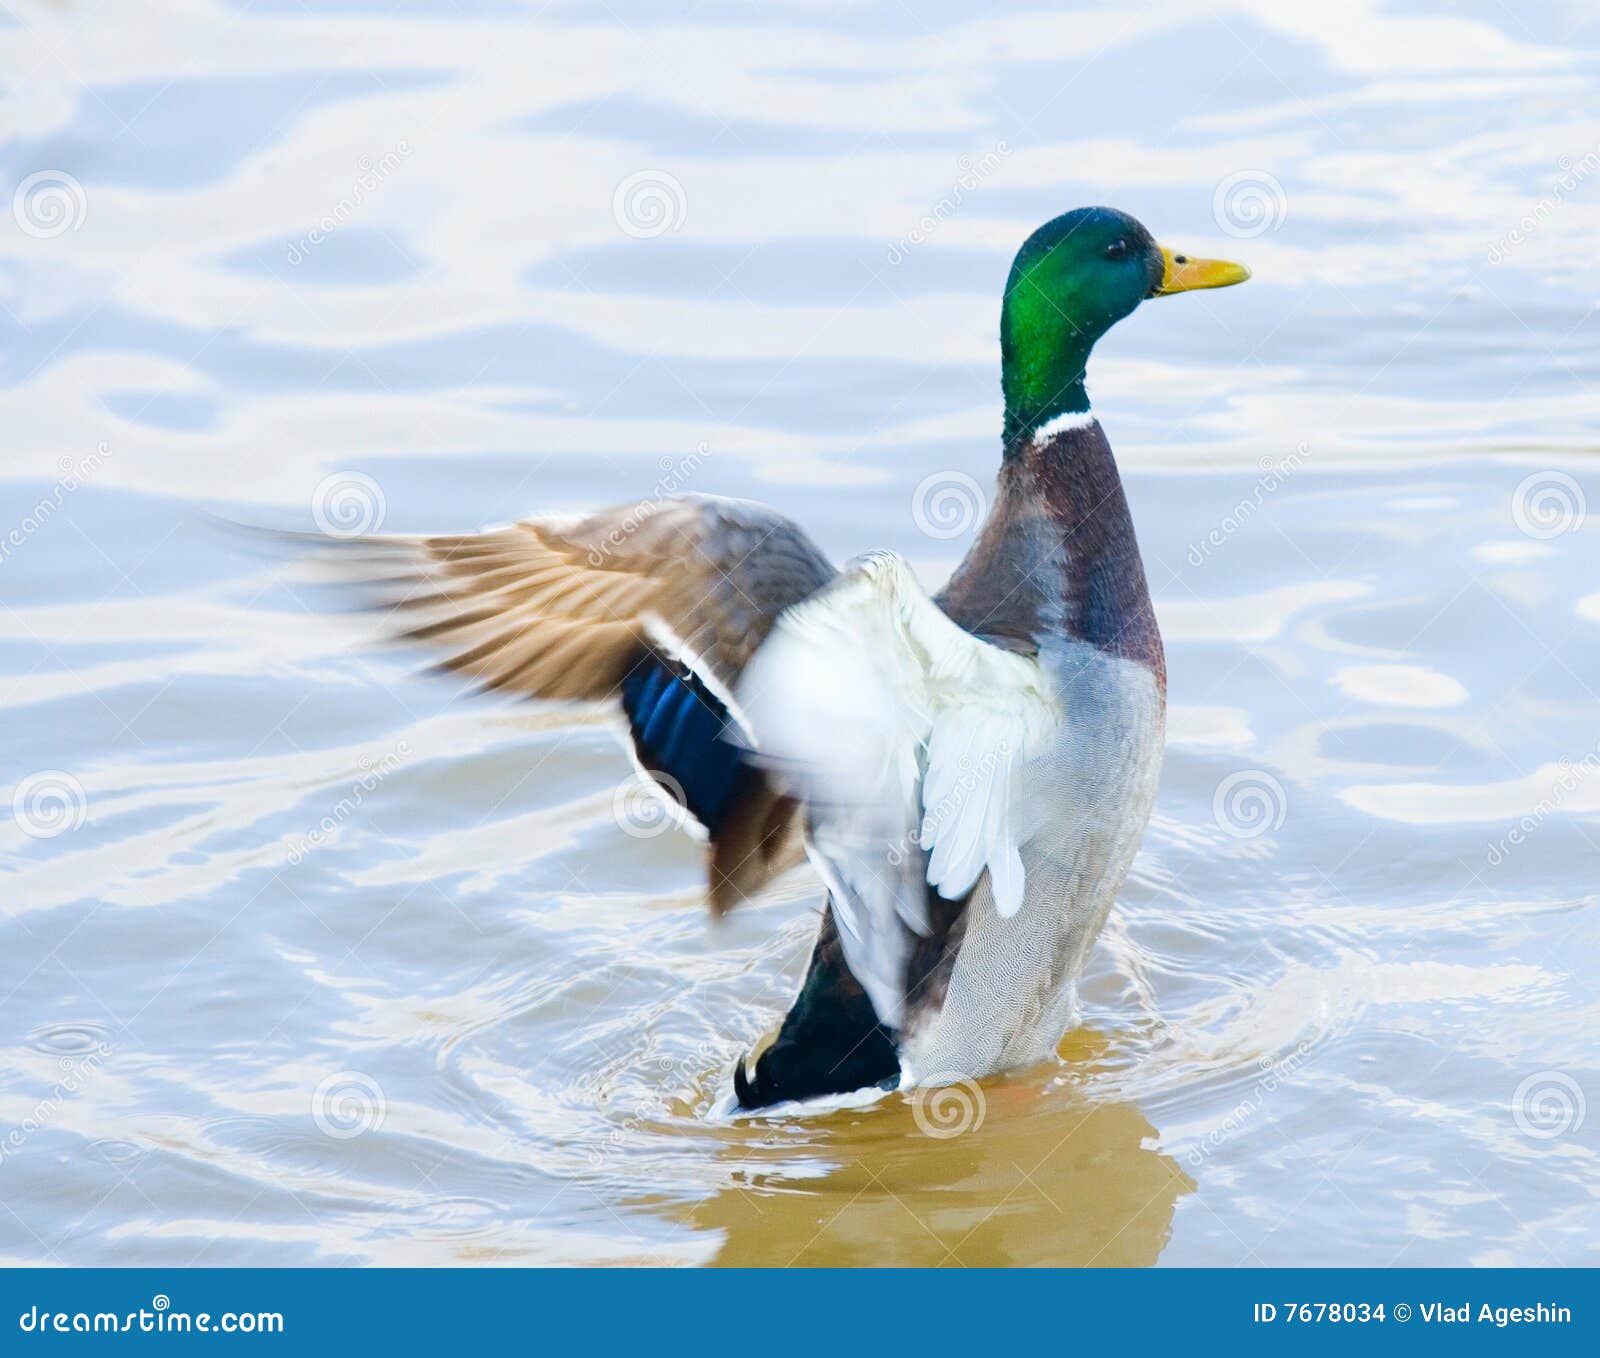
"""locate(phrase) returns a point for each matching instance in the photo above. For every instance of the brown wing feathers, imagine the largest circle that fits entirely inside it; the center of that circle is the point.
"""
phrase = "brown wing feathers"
(587, 611)
(522, 611)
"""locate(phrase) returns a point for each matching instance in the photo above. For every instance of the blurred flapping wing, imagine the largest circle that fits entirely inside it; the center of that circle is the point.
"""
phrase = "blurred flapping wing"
(659, 604)
(905, 736)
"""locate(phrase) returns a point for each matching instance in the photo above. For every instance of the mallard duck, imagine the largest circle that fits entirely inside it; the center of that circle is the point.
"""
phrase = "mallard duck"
(969, 773)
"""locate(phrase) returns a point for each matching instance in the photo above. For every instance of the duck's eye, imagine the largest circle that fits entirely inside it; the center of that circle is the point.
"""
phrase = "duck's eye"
(1117, 249)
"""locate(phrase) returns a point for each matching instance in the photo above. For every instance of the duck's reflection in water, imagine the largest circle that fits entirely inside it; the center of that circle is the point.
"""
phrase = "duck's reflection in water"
(1027, 1170)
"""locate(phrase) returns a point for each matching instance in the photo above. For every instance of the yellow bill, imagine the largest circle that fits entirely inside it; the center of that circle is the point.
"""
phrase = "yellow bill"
(1185, 273)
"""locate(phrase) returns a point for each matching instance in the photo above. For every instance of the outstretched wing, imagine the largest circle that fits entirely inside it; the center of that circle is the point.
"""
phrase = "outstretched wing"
(659, 604)
(905, 736)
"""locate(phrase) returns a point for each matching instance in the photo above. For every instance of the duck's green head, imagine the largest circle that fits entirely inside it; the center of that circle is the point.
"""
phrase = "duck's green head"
(1074, 278)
